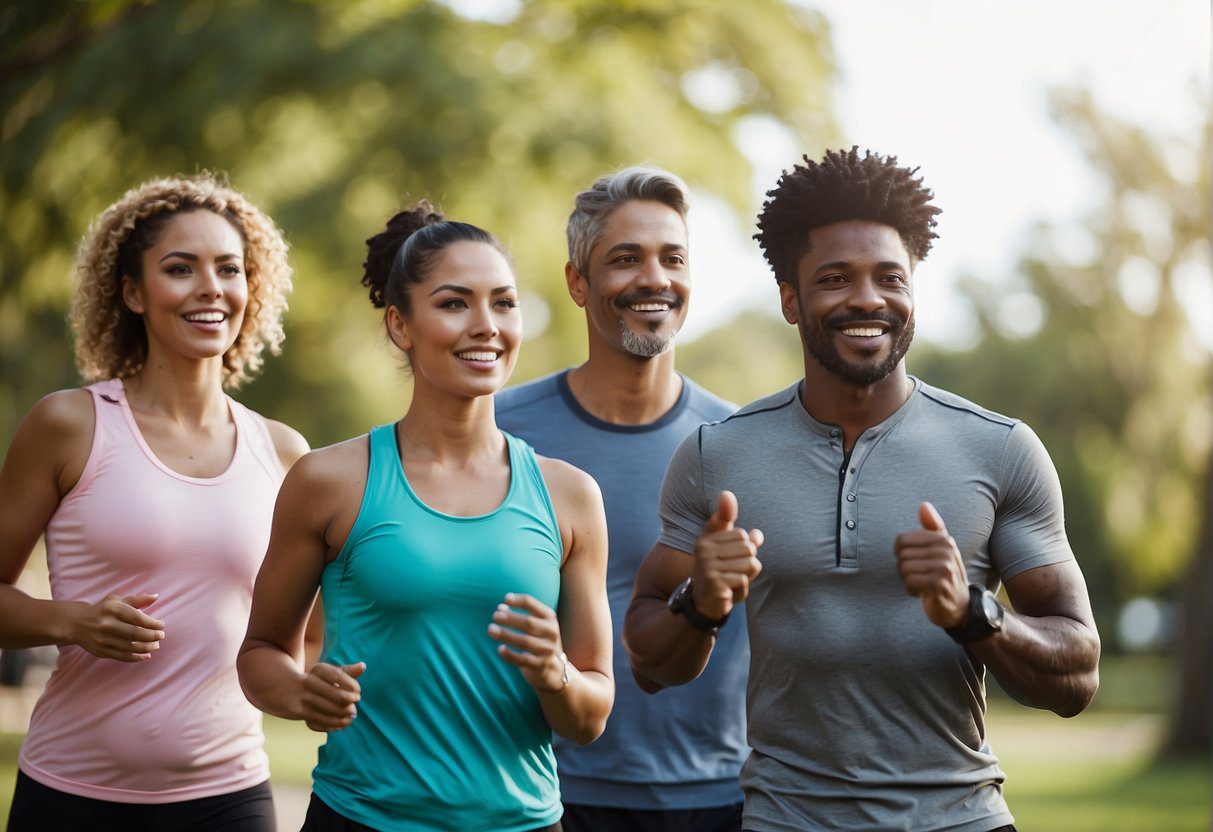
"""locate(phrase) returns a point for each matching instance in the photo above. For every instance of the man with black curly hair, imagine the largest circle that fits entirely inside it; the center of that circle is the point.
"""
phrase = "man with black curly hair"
(892, 512)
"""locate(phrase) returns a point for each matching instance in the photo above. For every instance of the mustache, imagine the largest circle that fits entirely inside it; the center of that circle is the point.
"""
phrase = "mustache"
(642, 297)
(843, 318)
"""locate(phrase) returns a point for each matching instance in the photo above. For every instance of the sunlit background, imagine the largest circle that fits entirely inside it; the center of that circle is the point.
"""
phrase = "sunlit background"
(1067, 142)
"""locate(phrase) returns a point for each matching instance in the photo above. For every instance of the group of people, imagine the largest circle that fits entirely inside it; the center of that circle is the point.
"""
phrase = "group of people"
(518, 609)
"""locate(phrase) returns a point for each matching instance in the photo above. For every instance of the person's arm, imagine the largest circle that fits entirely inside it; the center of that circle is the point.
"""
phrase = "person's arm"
(535, 639)
(270, 662)
(44, 462)
(1047, 651)
(664, 649)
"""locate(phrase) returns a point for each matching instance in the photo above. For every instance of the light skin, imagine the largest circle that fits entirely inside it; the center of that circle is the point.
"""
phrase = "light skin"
(639, 279)
(179, 405)
(852, 296)
(461, 335)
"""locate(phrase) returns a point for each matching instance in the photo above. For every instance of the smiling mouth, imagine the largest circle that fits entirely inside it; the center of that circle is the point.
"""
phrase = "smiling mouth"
(862, 331)
(478, 355)
(206, 317)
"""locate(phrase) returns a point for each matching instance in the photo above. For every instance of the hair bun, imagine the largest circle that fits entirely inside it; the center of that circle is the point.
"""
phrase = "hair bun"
(382, 248)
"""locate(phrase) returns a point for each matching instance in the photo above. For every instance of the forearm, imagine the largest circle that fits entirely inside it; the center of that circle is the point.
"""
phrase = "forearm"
(579, 710)
(663, 647)
(1050, 662)
(271, 679)
(33, 622)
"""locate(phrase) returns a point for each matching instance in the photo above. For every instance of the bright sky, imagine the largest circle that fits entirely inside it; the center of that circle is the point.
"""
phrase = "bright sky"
(959, 87)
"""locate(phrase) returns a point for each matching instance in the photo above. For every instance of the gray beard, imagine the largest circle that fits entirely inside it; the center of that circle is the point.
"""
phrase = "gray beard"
(644, 346)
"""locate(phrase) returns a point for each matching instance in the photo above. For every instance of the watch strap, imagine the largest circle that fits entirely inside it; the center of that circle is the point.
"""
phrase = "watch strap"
(978, 626)
(682, 603)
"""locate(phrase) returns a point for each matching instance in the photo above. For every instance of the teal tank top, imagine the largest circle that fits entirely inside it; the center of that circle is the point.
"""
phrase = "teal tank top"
(448, 736)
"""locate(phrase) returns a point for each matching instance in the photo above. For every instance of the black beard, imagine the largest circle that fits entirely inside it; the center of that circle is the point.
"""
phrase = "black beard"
(820, 344)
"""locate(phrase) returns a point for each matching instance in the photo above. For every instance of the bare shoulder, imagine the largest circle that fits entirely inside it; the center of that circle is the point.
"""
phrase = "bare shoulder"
(333, 464)
(63, 414)
(54, 439)
(568, 483)
(288, 442)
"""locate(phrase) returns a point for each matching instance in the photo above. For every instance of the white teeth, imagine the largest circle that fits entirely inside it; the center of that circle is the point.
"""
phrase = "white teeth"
(862, 332)
(477, 356)
(650, 307)
(206, 317)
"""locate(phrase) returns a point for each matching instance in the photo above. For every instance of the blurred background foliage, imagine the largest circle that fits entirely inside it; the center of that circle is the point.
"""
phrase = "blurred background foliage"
(332, 114)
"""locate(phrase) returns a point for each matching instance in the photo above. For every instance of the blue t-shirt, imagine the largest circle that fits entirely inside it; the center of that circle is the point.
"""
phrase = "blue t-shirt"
(448, 735)
(682, 748)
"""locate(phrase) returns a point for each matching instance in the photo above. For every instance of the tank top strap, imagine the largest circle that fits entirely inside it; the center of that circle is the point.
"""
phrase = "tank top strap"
(381, 479)
(524, 468)
(251, 426)
(109, 427)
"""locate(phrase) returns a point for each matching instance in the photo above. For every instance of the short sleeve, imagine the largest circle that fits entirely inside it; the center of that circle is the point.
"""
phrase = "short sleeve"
(683, 507)
(1029, 524)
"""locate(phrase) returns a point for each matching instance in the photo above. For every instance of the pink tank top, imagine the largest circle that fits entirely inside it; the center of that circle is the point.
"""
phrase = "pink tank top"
(175, 727)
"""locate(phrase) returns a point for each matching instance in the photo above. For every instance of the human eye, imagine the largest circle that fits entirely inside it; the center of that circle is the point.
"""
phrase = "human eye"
(177, 269)
(626, 259)
(894, 277)
(231, 269)
(507, 303)
(453, 303)
(832, 279)
(676, 259)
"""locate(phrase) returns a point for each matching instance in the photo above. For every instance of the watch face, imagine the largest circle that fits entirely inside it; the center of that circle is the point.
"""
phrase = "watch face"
(992, 609)
(678, 601)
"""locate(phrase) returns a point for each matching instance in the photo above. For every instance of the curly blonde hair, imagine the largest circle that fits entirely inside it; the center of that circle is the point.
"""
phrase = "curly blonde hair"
(111, 341)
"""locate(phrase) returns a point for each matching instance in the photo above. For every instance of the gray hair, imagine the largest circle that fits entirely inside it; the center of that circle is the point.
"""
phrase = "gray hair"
(594, 205)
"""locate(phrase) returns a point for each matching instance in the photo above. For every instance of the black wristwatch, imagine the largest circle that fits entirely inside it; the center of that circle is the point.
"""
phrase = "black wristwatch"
(985, 616)
(680, 603)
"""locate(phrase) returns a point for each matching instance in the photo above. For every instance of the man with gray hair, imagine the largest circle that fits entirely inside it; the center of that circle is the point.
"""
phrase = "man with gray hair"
(660, 765)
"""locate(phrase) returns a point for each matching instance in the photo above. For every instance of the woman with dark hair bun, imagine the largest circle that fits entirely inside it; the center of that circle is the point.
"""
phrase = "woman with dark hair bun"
(462, 576)
(154, 490)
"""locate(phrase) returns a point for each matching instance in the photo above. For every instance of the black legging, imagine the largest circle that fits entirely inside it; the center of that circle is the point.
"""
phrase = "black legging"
(39, 808)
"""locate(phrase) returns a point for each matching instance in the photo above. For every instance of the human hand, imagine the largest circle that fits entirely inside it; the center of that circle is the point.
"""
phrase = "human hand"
(330, 695)
(726, 560)
(117, 628)
(932, 569)
(534, 636)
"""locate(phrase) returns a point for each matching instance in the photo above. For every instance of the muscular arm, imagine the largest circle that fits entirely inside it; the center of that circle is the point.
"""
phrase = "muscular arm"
(663, 648)
(270, 662)
(1047, 654)
(44, 462)
(578, 710)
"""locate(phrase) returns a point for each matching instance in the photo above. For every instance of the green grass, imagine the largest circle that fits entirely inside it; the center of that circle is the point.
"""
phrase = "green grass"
(1096, 772)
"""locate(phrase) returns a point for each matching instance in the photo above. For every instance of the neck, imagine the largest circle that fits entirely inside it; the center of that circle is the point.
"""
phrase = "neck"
(625, 389)
(449, 429)
(185, 391)
(833, 400)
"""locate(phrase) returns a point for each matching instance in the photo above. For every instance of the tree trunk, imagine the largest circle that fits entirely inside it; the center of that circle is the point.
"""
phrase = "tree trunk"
(1191, 725)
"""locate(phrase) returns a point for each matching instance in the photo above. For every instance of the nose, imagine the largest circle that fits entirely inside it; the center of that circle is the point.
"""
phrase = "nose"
(866, 296)
(209, 283)
(483, 323)
(652, 276)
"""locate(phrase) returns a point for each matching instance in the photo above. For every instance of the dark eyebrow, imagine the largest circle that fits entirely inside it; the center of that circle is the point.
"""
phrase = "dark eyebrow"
(463, 290)
(193, 258)
(884, 265)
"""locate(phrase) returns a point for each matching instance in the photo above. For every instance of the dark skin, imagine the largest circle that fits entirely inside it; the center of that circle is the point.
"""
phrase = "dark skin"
(1047, 653)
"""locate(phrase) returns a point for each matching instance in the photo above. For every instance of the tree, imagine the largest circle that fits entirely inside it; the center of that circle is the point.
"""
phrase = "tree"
(1094, 345)
(330, 115)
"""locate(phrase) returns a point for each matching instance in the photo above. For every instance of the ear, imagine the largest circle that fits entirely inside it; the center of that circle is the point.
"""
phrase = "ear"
(789, 302)
(398, 329)
(578, 284)
(132, 295)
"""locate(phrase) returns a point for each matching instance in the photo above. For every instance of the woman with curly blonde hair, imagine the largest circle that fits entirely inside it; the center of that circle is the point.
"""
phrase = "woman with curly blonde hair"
(154, 490)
